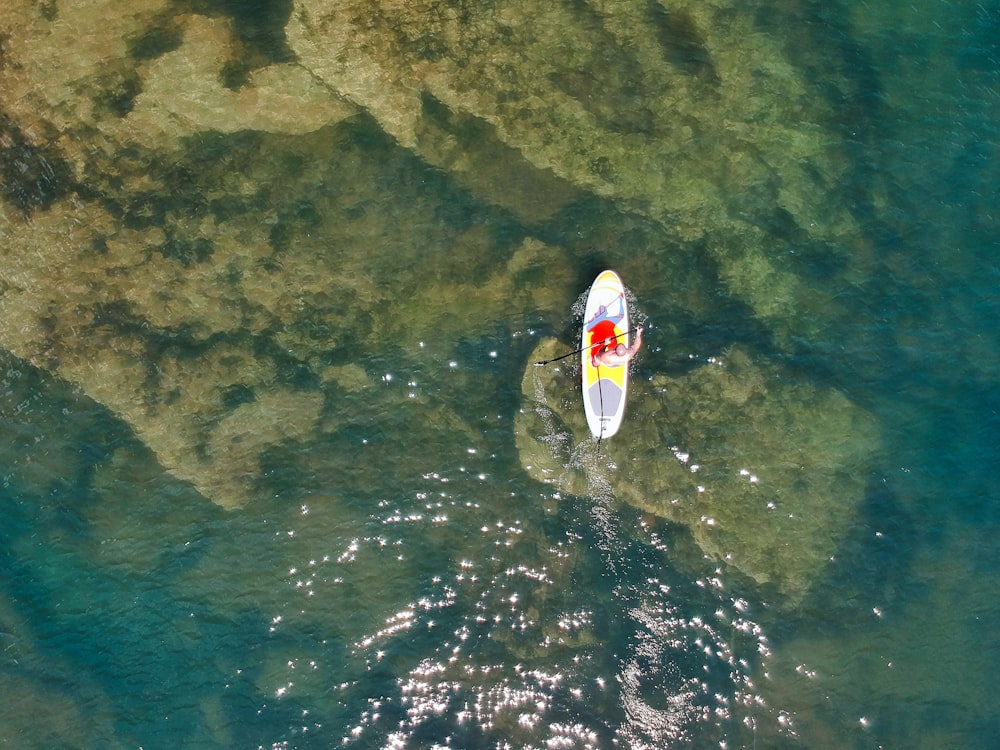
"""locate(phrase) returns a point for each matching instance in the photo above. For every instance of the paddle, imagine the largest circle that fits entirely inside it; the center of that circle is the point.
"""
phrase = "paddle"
(578, 351)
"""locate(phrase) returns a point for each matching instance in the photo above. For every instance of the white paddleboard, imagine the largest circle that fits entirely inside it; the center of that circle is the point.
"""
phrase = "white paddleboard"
(604, 387)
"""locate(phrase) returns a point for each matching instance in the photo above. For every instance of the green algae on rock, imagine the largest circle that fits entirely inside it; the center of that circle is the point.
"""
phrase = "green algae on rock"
(201, 241)
(202, 292)
(767, 473)
(177, 264)
(182, 92)
(685, 112)
(169, 341)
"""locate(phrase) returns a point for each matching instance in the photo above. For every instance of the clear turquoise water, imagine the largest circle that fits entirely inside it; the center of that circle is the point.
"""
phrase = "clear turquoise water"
(407, 586)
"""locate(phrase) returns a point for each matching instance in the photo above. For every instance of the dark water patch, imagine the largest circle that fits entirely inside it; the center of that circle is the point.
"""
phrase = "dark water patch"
(32, 177)
(616, 109)
(492, 170)
(237, 395)
(259, 26)
(819, 39)
(609, 82)
(119, 315)
(450, 206)
(980, 51)
(49, 10)
(817, 262)
(187, 189)
(954, 434)
(56, 436)
(874, 564)
(496, 361)
(189, 344)
(136, 657)
(666, 636)
(180, 182)
(187, 251)
(117, 94)
(142, 211)
(93, 626)
(322, 192)
(304, 213)
(280, 236)
(813, 261)
(161, 38)
(581, 228)
(99, 245)
(781, 224)
(211, 156)
(291, 369)
(230, 207)
(974, 158)
(109, 188)
(682, 43)
(318, 335)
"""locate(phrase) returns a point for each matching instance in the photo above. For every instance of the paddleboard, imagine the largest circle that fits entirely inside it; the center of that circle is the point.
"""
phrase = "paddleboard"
(606, 316)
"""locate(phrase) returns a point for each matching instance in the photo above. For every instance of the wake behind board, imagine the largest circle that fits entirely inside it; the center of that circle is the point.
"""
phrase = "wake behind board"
(606, 316)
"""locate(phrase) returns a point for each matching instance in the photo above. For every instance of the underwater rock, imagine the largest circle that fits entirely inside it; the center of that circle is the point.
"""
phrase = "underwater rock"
(767, 473)
(137, 72)
(182, 92)
(194, 274)
(64, 65)
(685, 112)
(215, 361)
(185, 256)
(53, 702)
(211, 334)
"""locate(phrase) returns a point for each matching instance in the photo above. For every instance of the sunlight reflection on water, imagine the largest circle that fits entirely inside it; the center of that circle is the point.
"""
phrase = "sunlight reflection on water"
(454, 660)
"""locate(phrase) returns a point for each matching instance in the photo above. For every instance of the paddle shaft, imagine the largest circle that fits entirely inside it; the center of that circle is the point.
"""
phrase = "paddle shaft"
(582, 349)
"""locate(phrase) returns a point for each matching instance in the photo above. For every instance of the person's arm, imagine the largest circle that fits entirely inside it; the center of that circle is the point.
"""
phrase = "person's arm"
(637, 343)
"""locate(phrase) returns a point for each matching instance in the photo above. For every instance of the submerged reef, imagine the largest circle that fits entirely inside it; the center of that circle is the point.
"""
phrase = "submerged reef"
(213, 337)
(766, 473)
(201, 231)
(684, 112)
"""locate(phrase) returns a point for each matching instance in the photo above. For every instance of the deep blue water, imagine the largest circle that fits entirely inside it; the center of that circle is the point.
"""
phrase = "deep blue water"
(407, 585)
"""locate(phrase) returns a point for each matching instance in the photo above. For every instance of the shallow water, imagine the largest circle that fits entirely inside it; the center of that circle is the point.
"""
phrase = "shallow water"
(395, 577)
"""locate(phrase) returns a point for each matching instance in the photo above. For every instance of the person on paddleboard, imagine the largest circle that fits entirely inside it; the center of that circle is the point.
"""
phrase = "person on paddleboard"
(611, 354)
